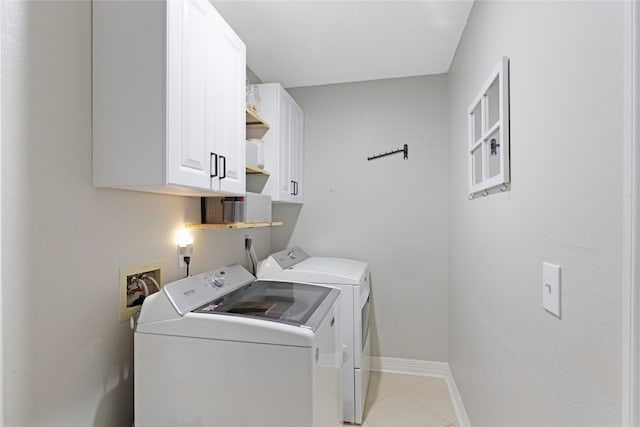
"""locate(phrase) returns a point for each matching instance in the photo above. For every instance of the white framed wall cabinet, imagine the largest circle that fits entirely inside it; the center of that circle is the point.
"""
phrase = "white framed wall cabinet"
(168, 98)
(283, 144)
(488, 119)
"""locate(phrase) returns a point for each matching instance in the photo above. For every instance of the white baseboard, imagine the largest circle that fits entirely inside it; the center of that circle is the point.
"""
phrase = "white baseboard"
(425, 369)
(461, 413)
(410, 367)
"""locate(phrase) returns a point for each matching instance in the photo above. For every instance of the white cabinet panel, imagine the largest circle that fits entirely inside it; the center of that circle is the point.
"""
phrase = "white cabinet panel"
(285, 179)
(168, 98)
(190, 94)
(230, 108)
(297, 153)
(283, 144)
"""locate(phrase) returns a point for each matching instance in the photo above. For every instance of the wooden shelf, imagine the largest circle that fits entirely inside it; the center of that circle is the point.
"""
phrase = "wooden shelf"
(236, 225)
(254, 121)
(256, 171)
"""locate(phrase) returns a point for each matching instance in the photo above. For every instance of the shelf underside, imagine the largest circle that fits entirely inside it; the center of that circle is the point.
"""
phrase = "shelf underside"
(255, 170)
(236, 225)
(254, 121)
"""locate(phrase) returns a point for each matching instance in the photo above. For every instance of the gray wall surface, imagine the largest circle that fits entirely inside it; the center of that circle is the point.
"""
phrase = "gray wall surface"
(516, 365)
(389, 212)
(67, 359)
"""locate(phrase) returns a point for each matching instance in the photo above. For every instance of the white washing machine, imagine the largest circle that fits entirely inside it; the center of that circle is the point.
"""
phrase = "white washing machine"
(353, 279)
(221, 349)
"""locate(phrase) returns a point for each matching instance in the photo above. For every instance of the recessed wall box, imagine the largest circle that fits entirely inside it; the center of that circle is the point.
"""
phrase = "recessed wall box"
(136, 283)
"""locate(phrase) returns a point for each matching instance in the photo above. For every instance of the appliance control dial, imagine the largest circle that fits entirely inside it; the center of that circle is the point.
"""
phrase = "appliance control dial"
(218, 280)
(291, 254)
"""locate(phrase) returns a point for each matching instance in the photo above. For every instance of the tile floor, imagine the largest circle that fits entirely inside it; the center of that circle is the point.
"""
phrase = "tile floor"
(396, 400)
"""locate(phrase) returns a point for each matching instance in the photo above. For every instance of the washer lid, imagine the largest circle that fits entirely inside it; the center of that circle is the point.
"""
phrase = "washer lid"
(322, 270)
(295, 304)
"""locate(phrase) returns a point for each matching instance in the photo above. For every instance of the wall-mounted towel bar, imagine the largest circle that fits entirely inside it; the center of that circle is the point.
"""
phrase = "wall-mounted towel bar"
(404, 150)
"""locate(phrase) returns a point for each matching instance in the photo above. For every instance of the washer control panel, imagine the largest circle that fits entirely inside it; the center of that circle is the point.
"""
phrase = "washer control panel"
(192, 292)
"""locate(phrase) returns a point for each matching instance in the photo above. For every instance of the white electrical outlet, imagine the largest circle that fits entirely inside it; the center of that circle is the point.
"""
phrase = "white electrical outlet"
(551, 295)
(184, 251)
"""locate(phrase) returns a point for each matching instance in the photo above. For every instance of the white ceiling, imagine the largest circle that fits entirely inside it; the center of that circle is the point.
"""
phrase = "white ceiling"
(306, 43)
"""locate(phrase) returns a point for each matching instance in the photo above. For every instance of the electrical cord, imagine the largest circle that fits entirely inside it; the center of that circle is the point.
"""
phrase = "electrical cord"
(248, 246)
(187, 260)
(254, 260)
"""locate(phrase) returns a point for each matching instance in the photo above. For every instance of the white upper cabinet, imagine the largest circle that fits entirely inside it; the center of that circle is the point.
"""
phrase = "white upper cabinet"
(168, 98)
(283, 144)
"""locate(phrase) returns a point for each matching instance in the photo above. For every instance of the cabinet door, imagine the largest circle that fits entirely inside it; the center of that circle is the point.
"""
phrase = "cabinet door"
(190, 107)
(285, 178)
(283, 144)
(230, 106)
(297, 153)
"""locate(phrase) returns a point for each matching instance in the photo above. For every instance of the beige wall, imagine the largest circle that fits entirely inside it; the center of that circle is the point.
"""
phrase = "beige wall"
(390, 212)
(514, 364)
(68, 361)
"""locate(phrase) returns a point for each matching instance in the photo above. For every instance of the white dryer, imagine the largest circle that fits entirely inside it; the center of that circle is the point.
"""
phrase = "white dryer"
(220, 349)
(353, 279)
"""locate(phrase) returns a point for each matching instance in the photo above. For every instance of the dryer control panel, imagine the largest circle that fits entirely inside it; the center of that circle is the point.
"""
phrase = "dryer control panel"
(192, 292)
(289, 257)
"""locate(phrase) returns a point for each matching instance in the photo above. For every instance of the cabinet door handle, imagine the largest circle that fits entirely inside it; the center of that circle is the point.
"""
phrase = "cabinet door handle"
(213, 169)
(224, 167)
(293, 188)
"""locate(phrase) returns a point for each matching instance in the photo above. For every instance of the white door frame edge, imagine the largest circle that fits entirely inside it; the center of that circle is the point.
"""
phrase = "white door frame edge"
(631, 218)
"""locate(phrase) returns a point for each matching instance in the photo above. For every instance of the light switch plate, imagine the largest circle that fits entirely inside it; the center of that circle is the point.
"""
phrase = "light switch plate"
(551, 295)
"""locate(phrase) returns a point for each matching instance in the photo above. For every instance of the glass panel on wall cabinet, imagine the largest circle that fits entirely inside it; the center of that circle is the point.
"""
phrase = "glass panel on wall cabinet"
(493, 104)
(493, 148)
(488, 127)
(476, 121)
(477, 165)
